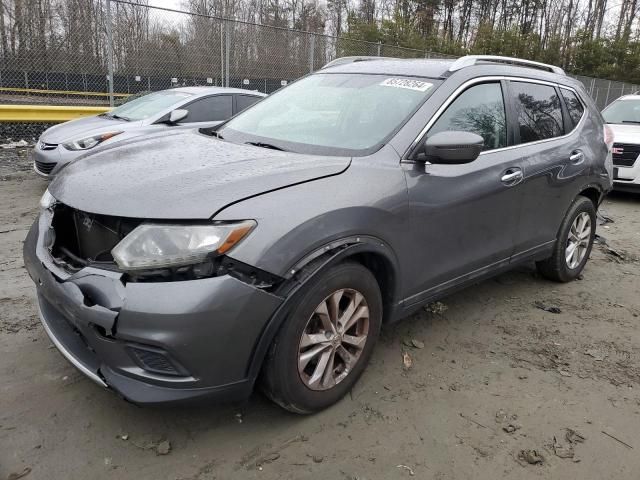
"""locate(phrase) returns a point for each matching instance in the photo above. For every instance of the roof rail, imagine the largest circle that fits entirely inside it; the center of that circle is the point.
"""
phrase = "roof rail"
(470, 60)
(345, 60)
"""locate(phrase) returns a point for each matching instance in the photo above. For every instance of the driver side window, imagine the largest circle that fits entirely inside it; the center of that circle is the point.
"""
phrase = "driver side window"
(209, 109)
(479, 109)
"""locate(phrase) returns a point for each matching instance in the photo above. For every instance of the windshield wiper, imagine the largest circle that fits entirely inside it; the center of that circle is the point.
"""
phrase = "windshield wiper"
(120, 117)
(630, 121)
(213, 133)
(265, 145)
(114, 116)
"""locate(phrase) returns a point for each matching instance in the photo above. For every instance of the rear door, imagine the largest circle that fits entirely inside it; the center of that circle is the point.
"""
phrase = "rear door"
(551, 155)
(464, 218)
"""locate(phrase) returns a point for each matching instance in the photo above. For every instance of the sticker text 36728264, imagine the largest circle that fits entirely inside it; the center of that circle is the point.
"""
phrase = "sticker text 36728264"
(411, 84)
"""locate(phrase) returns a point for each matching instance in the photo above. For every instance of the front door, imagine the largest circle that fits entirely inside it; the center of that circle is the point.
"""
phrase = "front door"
(464, 218)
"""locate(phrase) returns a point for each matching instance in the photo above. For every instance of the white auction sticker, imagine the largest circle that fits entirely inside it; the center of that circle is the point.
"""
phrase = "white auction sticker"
(407, 83)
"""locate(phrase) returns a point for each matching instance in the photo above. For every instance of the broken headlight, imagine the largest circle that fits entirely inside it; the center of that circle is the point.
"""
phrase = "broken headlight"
(154, 245)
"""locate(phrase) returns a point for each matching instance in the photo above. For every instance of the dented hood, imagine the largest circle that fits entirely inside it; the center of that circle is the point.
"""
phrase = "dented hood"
(183, 175)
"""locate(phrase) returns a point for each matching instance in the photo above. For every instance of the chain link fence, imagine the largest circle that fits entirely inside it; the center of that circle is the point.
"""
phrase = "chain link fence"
(144, 48)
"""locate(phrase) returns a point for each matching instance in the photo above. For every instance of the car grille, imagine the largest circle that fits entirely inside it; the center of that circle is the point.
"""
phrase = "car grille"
(45, 167)
(48, 146)
(83, 238)
(625, 154)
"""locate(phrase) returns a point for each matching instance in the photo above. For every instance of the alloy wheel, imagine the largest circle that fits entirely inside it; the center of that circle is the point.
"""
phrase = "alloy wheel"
(333, 339)
(578, 241)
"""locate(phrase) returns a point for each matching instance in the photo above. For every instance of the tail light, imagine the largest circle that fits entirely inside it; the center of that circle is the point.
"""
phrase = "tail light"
(608, 136)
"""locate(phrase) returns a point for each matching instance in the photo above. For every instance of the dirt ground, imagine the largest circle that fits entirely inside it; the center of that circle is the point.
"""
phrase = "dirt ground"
(498, 387)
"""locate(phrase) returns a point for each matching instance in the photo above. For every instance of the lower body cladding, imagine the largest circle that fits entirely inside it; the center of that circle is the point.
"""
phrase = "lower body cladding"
(153, 342)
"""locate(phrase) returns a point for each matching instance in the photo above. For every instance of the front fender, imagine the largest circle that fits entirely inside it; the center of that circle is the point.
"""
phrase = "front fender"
(367, 201)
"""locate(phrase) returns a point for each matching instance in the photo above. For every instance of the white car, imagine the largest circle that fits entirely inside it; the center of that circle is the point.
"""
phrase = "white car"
(184, 107)
(623, 117)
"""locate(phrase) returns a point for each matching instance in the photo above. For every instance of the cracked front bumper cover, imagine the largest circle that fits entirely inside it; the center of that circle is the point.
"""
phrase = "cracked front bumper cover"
(209, 327)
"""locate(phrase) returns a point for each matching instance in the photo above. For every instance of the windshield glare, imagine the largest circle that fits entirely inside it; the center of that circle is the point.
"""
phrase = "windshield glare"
(623, 111)
(148, 105)
(351, 112)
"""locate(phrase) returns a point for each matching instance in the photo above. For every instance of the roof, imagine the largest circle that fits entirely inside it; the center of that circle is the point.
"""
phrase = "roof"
(395, 66)
(215, 90)
(433, 68)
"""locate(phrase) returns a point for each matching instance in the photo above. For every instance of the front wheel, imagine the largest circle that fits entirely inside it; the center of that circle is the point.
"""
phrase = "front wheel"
(573, 245)
(325, 344)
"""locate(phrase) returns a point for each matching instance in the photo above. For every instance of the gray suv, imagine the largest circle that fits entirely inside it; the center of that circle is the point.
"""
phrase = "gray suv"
(191, 264)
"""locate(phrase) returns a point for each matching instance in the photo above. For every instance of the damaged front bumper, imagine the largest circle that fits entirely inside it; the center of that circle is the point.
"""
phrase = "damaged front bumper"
(151, 342)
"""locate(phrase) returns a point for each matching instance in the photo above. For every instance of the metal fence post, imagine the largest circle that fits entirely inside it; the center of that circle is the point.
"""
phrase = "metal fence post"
(221, 54)
(593, 81)
(606, 100)
(312, 49)
(227, 50)
(110, 52)
(379, 48)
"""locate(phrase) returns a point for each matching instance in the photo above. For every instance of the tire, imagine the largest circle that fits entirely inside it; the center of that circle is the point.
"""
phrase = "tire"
(298, 388)
(558, 267)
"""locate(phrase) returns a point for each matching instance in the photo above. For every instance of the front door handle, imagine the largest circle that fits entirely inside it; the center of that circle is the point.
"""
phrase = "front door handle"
(576, 157)
(512, 176)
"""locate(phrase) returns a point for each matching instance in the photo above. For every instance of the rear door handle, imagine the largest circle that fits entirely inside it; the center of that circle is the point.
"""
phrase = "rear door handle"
(576, 157)
(512, 176)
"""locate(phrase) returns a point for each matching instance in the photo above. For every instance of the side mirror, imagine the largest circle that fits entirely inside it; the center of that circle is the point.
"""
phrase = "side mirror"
(452, 147)
(176, 115)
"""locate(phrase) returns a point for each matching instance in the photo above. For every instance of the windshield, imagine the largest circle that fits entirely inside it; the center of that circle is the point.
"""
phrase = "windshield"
(623, 111)
(331, 113)
(148, 105)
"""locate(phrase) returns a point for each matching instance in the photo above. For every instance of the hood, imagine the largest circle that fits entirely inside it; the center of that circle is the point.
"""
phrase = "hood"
(182, 175)
(85, 127)
(625, 133)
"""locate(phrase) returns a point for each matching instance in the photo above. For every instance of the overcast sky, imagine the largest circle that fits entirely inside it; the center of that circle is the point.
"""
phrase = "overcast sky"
(175, 4)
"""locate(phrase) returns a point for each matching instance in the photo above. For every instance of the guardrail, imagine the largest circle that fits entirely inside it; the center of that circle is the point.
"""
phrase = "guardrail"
(46, 113)
(61, 92)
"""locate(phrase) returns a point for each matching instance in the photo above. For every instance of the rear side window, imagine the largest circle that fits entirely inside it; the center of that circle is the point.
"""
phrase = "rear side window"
(574, 106)
(480, 110)
(245, 101)
(538, 111)
(210, 109)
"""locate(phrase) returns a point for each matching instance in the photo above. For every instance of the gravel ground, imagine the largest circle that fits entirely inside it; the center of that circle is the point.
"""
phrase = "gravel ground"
(498, 387)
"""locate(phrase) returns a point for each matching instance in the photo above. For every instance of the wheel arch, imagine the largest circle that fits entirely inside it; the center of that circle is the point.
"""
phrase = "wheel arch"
(593, 192)
(370, 252)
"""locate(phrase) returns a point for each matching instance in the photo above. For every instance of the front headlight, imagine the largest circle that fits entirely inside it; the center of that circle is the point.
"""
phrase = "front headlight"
(89, 142)
(153, 245)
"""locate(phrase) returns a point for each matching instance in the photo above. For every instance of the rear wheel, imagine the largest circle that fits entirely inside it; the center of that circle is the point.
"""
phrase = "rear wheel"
(573, 245)
(325, 344)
